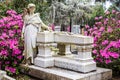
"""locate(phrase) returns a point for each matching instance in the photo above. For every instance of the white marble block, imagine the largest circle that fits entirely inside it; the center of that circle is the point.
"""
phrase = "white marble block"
(44, 57)
(44, 62)
(2, 74)
(64, 37)
(44, 50)
(45, 37)
(84, 52)
(78, 66)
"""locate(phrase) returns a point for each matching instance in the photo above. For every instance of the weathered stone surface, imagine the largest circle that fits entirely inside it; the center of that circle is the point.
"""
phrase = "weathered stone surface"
(44, 50)
(8, 78)
(2, 73)
(86, 48)
(107, 75)
(3, 76)
(71, 64)
(44, 62)
(99, 76)
(44, 57)
(84, 55)
(45, 37)
(63, 37)
(72, 39)
(62, 74)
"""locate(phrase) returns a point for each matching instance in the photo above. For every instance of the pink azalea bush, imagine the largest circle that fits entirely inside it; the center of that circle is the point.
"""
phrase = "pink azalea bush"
(11, 46)
(106, 33)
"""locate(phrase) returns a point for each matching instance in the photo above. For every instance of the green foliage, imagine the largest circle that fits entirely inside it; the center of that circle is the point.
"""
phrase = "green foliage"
(98, 11)
(41, 6)
(115, 66)
(4, 6)
(19, 5)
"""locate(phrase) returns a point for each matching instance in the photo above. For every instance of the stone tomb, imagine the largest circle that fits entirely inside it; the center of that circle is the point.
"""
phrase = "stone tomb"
(65, 66)
(83, 62)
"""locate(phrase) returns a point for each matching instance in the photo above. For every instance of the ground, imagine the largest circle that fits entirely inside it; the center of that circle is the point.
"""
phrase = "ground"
(25, 77)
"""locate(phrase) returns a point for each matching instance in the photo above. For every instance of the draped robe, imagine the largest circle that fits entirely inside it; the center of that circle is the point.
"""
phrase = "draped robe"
(32, 24)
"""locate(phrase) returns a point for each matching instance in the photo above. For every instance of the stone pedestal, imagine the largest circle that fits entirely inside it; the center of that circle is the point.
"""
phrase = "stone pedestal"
(44, 57)
(85, 58)
(64, 49)
(44, 41)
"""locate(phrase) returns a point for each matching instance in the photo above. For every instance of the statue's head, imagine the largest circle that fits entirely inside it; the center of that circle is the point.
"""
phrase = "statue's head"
(31, 7)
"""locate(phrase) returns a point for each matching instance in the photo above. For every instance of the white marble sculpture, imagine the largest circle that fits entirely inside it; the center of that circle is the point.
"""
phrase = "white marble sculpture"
(32, 24)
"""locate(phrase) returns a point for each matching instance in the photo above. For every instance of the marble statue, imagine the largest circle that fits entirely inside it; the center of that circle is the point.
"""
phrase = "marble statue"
(32, 24)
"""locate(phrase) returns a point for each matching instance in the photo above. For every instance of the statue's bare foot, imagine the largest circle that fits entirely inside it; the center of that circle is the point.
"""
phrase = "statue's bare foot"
(24, 61)
(26, 64)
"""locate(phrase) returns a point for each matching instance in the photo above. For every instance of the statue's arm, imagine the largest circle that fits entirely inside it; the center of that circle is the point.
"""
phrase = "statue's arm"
(43, 26)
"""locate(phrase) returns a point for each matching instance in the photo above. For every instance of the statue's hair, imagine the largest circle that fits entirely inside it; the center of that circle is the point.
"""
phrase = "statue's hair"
(31, 5)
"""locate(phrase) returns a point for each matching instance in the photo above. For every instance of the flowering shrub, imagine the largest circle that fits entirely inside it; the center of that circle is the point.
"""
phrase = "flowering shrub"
(106, 33)
(10, 42)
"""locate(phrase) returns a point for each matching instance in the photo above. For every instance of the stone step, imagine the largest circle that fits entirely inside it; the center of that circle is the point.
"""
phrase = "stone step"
(3, 76)
(55, 73)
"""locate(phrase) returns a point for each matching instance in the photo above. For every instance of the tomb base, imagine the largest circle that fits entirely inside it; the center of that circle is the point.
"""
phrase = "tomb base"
(63, 74)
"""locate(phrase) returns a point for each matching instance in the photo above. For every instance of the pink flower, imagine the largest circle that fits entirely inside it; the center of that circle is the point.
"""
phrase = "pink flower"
(95, 28)
(95, 39)
(106, 19)
(107, 12)
(101, 29)
(10, 69)
(114, 44)
(7, 62)
(20, 57)
(4, 53)
(113, 11)
(105, 42)
(90, 30)
(4, 35)
(16, 51)
(108, 61)
(104, 54)
(105, 22)
(94, 51)
(11, 12)
(95, 45)
(13, 70)
(113, 19)
(96, 18)
(100, 17)
(86, 26)
(99, 34)
(99, 23)
(15, 62)
(109, 29)
(11, 33)
(113, 54)
(85, 33)
(13, 43)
